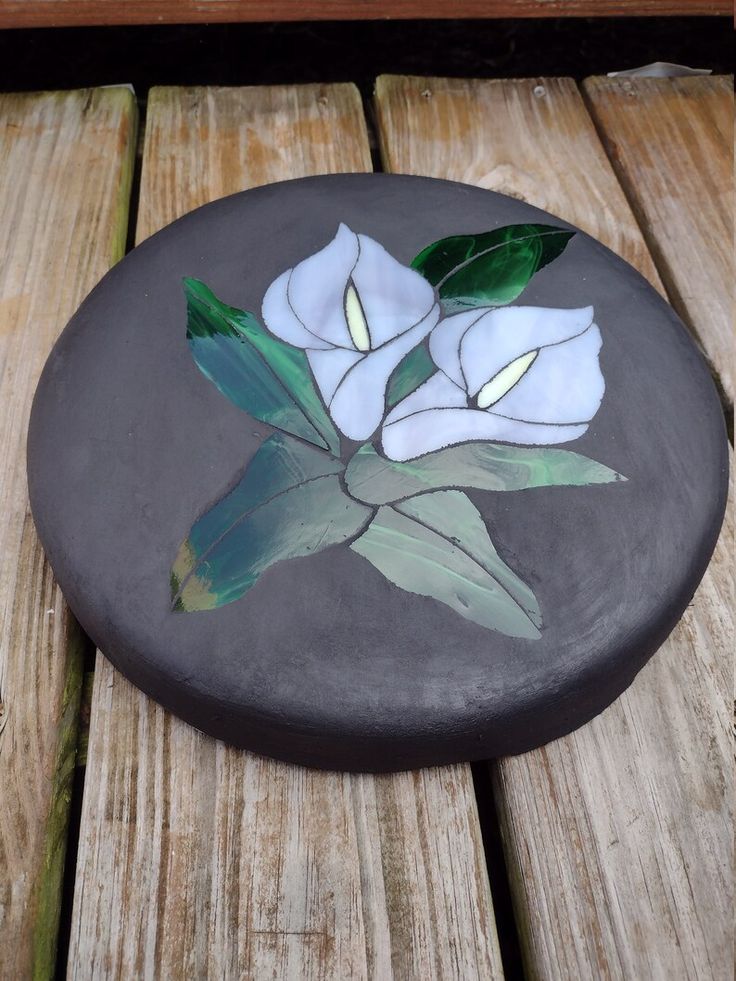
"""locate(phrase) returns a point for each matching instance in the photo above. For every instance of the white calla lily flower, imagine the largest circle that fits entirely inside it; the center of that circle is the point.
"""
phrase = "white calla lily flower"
(527, 375)
(357, 312)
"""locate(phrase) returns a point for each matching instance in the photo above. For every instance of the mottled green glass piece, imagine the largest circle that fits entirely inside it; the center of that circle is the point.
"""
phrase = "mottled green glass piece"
(411, 372)
(487, 466)
(437, 545)
(288, 503)
(489, 269)
(260, 374)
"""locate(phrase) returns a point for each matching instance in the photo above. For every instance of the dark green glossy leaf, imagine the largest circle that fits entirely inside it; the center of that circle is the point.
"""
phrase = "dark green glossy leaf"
(486, 466)
(489, 269)
(438, 546)
(288, 503)
(411, 372)
(258, 373)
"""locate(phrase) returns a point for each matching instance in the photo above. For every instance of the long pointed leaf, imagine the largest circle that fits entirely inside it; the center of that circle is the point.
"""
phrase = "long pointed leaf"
(260, 374)
(438, 546)
(492, 268)
(486, 466)
(288, 503)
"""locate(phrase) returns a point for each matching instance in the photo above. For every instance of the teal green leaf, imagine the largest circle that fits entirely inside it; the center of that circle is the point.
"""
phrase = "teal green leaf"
(372, 478)
(438, 546)
(411, 372)
(288, 503)
(260, 374)
(492, 268)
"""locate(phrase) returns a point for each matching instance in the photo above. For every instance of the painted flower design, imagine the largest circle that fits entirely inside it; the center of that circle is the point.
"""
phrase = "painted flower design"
(525, 375)
(356, 312)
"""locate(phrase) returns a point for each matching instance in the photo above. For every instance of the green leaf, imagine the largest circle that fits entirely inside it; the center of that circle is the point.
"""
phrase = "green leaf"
(492, 268)
(437, 545)
(487, 466)
(411, 372)
(289, 502)
(260, 374)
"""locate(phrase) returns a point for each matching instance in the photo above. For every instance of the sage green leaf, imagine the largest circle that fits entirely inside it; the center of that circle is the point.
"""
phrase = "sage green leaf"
(492, 268)
(260, 374)
(486, 466)
(289, 502)
(411, 372)
(438, 546)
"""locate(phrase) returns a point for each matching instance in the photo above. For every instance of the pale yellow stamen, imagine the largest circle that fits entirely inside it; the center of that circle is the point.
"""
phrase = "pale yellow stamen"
(504, 381)
(357, 324)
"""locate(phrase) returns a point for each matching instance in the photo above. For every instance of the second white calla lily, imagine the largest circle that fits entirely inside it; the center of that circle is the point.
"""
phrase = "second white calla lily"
(526, 375)
(357, 312)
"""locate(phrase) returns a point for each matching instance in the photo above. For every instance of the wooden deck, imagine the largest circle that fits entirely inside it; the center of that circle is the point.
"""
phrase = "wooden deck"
(66, 13)
(195, 860)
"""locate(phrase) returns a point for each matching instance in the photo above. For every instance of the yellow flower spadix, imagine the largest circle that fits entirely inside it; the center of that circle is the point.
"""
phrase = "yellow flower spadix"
(504, 381)
(357, 324)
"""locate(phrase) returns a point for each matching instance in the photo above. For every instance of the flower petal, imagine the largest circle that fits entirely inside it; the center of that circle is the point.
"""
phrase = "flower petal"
(433, 429)
(437, 391)
(360, 400)
(281, 320)
(317, 288)
(505, 333)
(329, 368)
(563, 385)
(393, 296)
(444, 344)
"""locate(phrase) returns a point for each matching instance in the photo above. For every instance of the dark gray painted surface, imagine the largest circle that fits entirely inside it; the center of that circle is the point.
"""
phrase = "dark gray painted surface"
(323, 662)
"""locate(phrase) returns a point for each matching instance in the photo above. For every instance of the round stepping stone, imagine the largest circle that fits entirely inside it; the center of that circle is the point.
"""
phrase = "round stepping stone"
(372, 472)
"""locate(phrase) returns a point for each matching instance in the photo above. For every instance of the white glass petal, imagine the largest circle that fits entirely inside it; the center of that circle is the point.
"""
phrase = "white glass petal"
(329, 368)
(281, 319)
(317, 288)
(434, 429)
(393, 296)
(437, 391)
(563, 385)
(444, 344)
(359, 402)
(504, 334)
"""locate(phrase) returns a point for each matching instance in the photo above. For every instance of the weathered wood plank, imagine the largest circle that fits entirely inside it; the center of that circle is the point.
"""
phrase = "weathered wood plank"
(506, 136)
(618, 837)
(65, 170)
(67, 13)
(216, 862)
(670, 141)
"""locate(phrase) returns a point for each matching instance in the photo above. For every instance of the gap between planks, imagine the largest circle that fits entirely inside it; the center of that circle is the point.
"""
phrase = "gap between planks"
(617, 837)
(220, 863)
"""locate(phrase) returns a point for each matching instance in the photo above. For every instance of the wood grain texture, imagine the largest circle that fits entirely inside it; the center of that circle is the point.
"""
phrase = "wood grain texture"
(68, 13)
(670, 141)
(618, 837)
(216, 862)
(517, 138)
(65, 169)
